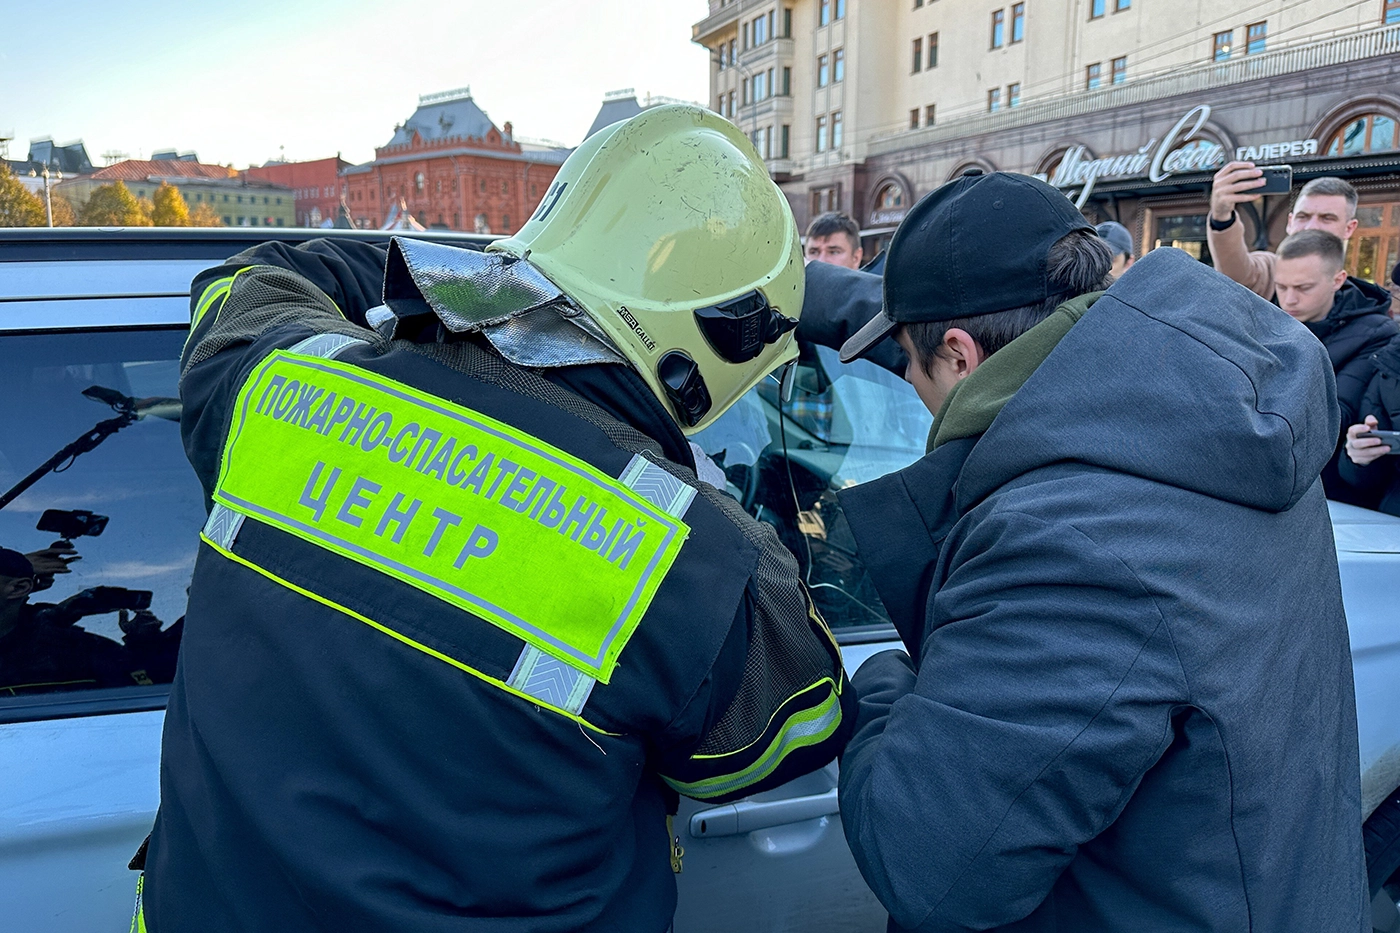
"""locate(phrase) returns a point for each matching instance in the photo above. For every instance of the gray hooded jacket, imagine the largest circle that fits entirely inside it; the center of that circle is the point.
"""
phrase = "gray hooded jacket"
(1132, 705)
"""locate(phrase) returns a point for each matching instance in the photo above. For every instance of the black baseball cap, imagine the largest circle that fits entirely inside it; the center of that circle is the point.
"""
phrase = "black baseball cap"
(976, 245)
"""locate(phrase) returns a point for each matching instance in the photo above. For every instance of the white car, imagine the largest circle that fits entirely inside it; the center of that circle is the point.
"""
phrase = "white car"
(79, 759)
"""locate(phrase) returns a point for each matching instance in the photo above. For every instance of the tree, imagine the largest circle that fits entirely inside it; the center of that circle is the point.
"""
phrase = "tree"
(168, 208)
(204, 215)
(113, 206)
(19, 207)
(63, 213)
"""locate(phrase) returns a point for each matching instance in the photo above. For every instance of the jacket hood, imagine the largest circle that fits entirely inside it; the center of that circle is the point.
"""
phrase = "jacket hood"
(1357, 297)
(1179, 376)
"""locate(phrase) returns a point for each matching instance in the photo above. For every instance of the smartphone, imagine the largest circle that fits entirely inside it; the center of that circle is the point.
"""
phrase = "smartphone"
(1389, 438)
(1278, 179)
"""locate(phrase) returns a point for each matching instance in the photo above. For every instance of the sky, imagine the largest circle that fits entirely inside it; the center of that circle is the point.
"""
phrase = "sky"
(242, 83)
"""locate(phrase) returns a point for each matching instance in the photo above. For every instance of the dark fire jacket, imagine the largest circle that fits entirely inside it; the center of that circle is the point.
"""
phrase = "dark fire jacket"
(457, 635)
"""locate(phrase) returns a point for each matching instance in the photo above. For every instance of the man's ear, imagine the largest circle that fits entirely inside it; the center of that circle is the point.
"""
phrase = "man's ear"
(16, 588)
(1339, 279)
(1351, 228)
(962, 351)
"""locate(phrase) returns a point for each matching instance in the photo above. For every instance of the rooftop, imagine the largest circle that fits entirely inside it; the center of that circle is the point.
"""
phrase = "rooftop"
(142, 169)
(443, 116)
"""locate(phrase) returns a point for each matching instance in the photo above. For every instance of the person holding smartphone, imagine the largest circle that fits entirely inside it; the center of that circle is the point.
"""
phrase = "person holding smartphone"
(1323, 204)
(1368, 466)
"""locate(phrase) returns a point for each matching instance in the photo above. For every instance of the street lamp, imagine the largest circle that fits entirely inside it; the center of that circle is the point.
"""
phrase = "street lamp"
(48, 196)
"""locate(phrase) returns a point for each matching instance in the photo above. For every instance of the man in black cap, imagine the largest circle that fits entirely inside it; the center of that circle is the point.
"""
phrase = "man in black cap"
(1127, 703)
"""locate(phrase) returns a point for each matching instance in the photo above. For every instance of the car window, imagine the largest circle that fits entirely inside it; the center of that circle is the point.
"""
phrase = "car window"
(124, 496)
(843, 424)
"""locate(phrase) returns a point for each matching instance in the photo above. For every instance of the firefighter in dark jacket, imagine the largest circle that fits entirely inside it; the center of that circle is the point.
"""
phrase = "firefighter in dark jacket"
(1127, 703)
(464, 622)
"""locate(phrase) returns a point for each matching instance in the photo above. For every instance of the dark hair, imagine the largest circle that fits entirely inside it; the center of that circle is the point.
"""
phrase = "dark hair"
(833, 222)
(1315, 243)
(1331, 187)
(1076, 264)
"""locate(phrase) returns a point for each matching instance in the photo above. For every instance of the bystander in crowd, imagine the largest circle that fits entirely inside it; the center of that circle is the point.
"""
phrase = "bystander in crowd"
(1120, 241)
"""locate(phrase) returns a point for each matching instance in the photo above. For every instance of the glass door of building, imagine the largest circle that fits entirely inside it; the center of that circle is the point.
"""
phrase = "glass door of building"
(1375, 246)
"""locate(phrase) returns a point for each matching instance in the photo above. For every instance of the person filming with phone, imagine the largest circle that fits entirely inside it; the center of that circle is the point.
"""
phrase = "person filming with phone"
(1324, 204)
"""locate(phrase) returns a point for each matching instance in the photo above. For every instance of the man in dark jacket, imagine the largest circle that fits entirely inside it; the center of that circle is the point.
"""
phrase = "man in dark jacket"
(464, 622)
(1349, 315)
(1128, 702)
(1368, 466)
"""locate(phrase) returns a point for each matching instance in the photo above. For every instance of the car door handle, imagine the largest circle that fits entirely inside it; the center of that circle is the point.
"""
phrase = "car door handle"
(749, 815)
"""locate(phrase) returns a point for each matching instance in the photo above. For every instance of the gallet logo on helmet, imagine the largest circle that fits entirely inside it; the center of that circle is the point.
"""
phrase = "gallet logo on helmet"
(667, 232)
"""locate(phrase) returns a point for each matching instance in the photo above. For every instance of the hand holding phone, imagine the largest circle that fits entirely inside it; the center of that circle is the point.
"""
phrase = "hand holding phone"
(1278, 179)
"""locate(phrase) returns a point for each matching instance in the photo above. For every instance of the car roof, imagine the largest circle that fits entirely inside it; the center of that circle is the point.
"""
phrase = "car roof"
(99, 277)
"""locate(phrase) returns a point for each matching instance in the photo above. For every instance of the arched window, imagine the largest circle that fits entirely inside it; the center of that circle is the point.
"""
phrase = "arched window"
(889, 198)
(1370, 132)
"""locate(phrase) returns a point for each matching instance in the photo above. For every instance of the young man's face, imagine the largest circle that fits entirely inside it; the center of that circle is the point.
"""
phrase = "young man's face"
(1322, 212)
(1306, 287)
(837, 249)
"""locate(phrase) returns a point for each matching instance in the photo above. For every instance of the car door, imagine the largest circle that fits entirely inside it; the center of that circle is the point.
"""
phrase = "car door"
(89, 361)
(778, 861)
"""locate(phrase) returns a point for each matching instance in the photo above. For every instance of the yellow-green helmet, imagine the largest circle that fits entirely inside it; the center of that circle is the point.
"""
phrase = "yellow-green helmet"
(667, 231)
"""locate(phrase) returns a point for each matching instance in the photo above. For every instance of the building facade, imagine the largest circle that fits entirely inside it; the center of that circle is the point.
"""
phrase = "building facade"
(238, 200)
(1127, 105)
(315, 187)
(453, 169)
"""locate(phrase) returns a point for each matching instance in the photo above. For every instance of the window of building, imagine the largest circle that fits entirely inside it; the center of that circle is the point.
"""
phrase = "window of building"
(1375, 247)
(760, 30)
(1391, 14)
(1097, 8)
(824, 13)
(787, 81)
(929, 115)
(836, 130)
(1018, 22)
(838, 65)
(228, 221)
(1373, 132)
(279, 221)
(994, 100)
(1013, 95)
(918, 3)
(918, 55)
(933, 50)
(747, 33)
(787, 22)
(823, 71)
(840, 9)
(998, 28)
(826, 199)
(785, 138)
(914, 119)
(1223, 42)
(1120, 5)
(1093, 76)
(821, 134)
(745, 88)
(1120, 70)
(505, 187)
(1256, 36)
(760, 86)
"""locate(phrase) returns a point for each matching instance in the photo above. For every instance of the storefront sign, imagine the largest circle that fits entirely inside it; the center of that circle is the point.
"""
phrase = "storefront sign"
(881, 218)
(1272, 152)
(1175, 154)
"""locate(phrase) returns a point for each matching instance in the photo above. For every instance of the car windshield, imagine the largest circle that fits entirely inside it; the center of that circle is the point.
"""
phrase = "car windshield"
(129, 505)
(841, 424)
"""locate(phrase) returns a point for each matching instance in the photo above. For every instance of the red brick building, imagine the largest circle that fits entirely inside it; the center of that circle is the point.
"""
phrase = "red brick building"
(315, 186)
(454, 169)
